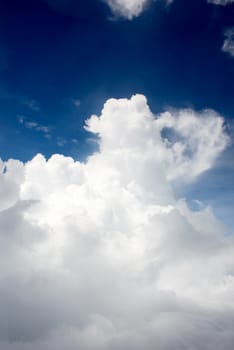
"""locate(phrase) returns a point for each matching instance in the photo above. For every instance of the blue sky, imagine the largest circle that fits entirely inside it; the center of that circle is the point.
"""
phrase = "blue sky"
(51, 56)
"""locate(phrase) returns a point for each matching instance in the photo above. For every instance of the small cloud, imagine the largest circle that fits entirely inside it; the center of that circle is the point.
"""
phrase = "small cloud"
(33, 105)
(91, 140)
(228, 45)
(21, 119)
(33, 125)
(61, 141)
(42, 128)
(127, 9)
(76, 102)
(75, 141)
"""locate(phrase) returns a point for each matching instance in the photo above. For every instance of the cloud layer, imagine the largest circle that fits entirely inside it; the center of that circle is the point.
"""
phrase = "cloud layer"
(103, 254)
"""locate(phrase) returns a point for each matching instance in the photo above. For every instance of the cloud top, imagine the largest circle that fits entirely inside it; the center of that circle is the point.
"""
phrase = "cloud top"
(103, 254)
(185, 141)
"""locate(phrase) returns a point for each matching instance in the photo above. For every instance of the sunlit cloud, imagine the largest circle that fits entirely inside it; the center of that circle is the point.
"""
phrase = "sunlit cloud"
(104, 254)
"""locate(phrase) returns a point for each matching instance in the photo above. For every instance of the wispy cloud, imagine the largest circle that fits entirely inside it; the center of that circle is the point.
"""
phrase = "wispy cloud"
(221, 2)
(35, 126)
(33, 105)
(61, 141)
(75, 141)
(76, 102)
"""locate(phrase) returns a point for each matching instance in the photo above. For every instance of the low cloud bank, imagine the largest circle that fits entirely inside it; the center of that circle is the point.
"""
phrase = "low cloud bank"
(103, 254)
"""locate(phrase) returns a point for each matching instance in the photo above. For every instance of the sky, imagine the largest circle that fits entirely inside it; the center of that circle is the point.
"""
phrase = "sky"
(116, 174)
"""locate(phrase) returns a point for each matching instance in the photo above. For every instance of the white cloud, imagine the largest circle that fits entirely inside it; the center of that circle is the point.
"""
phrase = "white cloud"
(130, 9)
(221, 2)
(228, 45)
(127, 8)
(103, 254)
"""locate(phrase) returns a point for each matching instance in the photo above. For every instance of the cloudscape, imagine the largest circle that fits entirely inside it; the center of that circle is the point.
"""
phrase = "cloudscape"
(116, 175)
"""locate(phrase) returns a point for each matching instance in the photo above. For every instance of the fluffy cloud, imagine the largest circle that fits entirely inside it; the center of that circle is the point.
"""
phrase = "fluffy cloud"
(127, 8)
(103, 254)
(228, 45)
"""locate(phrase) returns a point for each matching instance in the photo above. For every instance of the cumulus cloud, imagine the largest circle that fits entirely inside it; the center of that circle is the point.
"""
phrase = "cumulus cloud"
(228, 45)
(103, 254)
(127, 8)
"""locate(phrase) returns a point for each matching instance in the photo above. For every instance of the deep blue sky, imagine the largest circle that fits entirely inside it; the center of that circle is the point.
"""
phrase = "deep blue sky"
(52, 55)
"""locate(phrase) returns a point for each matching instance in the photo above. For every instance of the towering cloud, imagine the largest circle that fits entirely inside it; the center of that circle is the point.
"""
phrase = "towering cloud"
(103, 254)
